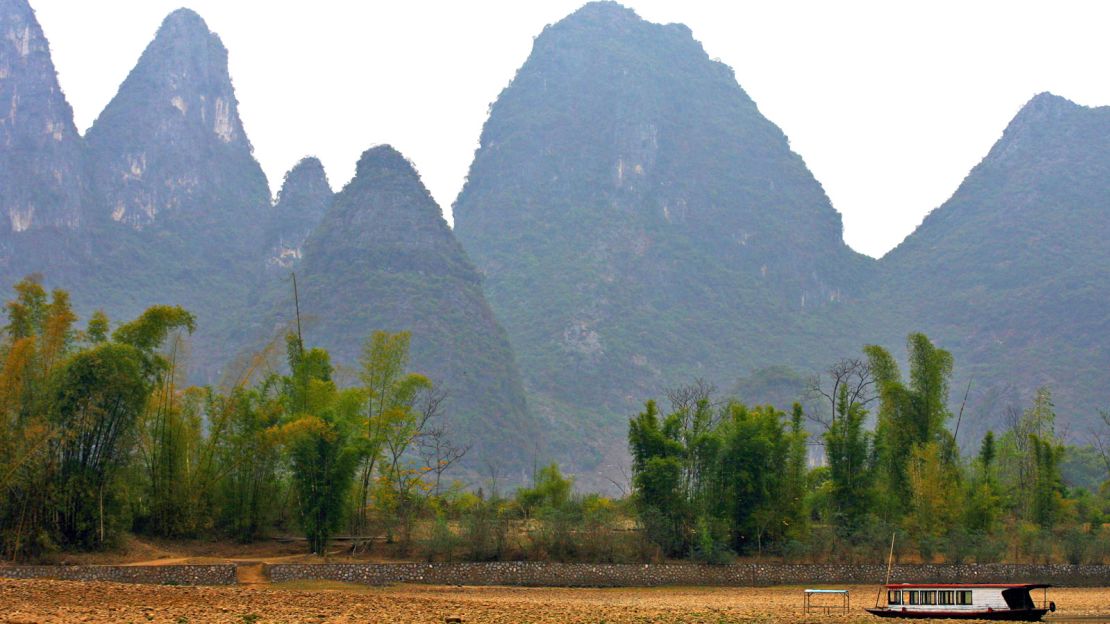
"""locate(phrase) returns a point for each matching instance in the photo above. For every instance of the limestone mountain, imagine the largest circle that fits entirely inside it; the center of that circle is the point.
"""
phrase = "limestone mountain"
(639, 222)
(304, 197)
(177, 200)
(41, 187)
(383, 258)
(169, 151)
(162, 200)
(1013, 272)
(40, 150)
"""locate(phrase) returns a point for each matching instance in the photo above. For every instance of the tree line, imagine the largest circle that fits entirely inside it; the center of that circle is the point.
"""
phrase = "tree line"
(714, 479)
(100, 437)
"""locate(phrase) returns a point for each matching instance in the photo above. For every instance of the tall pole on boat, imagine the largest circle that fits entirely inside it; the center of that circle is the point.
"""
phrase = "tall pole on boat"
(890, 558)
(889, 562)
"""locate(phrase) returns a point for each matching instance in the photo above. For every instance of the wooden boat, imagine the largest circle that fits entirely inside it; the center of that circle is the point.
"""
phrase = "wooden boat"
(964, 601)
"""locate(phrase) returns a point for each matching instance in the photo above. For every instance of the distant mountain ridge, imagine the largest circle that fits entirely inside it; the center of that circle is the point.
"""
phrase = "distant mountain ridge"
(40, 149)
(383, 258)
(1013, 272)
(163, 202)
(632, 219)
(639, 223)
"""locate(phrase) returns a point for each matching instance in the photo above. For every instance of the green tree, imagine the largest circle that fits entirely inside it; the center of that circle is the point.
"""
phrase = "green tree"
(97, 397)
(657, 477)
(323, 464)
(848, 449)
(391, 421)
(983, 506)
(550, 490)
(1048, 487)
(909, 416)
(750, 475)
(36, 342)
(322, 458)
(793, 500)
(249, 456)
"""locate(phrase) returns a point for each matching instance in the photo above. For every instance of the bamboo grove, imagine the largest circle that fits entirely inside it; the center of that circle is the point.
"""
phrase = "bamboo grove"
(713, 479)
(101, 437)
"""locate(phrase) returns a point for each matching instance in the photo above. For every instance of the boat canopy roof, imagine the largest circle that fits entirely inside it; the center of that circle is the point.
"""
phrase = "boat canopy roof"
(967, 585)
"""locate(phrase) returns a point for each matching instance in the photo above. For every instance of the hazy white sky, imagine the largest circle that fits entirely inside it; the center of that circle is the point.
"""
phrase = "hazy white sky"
(889, 103)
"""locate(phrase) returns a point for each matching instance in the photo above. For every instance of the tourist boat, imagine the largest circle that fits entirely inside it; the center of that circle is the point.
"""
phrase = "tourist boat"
(964, 601)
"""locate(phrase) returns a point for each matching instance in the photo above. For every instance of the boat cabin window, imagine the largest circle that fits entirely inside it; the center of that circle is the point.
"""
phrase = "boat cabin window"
(894, 597)
(915, 597)
(946, 597)
(929, 597)
(963, 597)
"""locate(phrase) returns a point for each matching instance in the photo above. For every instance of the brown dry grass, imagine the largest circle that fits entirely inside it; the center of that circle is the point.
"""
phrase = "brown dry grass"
(61, 601)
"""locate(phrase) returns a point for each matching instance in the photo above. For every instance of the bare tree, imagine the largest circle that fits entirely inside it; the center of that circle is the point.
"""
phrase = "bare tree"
(625, 482)
(687, 397)
(493, 469)
(440, 452)
(851, 374)
(1100, 438)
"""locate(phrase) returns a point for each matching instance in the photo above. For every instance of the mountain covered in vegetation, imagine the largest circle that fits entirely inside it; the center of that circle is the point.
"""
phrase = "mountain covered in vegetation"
(163, 202)
(41, 153)
(383, 258)
(638, 221)
(177, 199)
(1012, 274)
(632, 219)
(304, 197)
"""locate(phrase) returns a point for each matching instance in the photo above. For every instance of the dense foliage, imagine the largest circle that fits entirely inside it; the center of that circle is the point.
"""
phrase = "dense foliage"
(714, 481)
(97, 438)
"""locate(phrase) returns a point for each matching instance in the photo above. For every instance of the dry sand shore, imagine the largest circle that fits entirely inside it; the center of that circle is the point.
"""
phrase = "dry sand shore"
(45, 601)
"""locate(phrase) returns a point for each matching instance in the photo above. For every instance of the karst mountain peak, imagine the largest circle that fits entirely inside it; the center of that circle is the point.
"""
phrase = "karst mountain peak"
(304, 197)
(630, 221)
(622, 175)
(383, 258)
(41, 184)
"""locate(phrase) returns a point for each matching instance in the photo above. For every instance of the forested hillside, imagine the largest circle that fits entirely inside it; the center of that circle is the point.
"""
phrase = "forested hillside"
(631, 222)
(383, 258)
(638, 220)
(1012, 274)
(177, 201)
(164, 202)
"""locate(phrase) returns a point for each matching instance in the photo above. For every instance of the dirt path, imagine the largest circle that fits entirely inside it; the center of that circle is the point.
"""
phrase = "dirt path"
(251, 574)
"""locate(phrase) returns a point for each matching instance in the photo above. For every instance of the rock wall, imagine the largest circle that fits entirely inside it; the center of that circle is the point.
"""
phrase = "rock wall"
(540, 574)
(635, 575)
(152, 575)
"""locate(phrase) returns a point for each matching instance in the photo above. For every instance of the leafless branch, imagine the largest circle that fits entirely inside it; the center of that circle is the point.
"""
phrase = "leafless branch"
(687, 397)
(851, 374)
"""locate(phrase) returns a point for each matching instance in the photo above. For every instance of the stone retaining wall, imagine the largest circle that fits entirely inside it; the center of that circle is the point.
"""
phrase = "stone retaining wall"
(540, 574)
(154, 575)
(638, 575)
